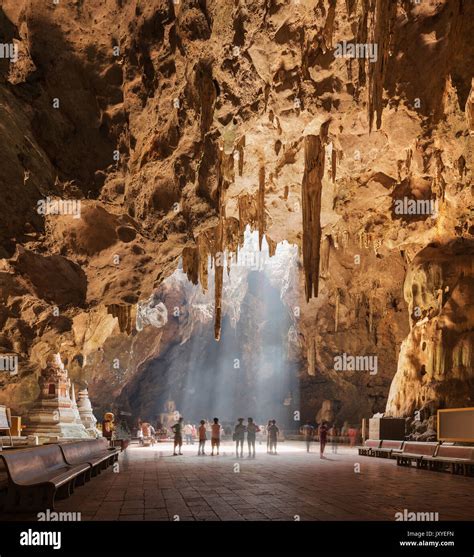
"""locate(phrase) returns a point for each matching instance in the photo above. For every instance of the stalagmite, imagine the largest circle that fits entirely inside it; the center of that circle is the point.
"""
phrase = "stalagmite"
(314, 155)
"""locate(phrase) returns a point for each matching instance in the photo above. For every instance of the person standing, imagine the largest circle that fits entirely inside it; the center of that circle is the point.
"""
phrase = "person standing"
(268, 435)
(273, 434)
(323, 436)
(308, 432)
(178, 436)
(188, 433)
(202, 438)
(215, 435)
(252, 430)
(239, 436)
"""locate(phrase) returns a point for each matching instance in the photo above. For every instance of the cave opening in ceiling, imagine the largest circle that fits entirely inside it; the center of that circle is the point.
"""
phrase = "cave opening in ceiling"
(252, 370)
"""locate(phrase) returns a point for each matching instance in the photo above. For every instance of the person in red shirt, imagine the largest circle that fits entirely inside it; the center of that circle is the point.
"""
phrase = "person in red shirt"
(215, 435)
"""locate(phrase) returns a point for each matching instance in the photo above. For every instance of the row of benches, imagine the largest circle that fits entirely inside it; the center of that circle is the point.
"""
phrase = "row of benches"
(38, 475)
(435, 456)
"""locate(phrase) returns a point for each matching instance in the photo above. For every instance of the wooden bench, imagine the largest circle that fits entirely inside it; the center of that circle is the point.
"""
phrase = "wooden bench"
(37, 475)
(459, 459)
(388, 449)
(415, 451)
(369, 446)
(96, 453)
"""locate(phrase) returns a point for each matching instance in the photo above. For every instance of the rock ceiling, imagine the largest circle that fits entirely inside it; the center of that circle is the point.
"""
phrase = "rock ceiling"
(177, 124)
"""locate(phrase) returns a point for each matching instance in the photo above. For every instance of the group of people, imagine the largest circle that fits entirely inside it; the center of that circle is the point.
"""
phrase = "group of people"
(240, 430)
(323, 432)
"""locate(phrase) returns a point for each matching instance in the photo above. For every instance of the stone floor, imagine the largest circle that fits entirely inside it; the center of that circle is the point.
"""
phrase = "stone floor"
(153, 485)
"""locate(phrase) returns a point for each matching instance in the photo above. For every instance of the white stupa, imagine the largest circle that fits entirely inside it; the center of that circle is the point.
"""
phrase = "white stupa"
(53, 413)
(86, 414)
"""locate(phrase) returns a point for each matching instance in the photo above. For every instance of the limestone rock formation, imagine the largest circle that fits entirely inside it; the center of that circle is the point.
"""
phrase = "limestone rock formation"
(172, 126)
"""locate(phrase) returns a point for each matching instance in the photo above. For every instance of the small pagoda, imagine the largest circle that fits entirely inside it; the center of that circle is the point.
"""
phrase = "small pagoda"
(85, 411)
(54, 413)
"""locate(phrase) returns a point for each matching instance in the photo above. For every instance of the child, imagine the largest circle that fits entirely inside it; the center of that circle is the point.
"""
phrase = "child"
(215, 435)
(202, 438)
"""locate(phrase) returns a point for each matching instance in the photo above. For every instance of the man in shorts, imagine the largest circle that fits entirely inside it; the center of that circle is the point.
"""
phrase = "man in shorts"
(178, 436)
(215, 435)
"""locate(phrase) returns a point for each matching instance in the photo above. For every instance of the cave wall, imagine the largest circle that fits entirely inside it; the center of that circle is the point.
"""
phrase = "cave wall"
(177, 125)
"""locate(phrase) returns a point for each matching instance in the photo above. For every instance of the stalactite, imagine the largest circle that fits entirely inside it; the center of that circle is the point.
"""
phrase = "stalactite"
(440, 183)
(333, 163)
(219, 280)
(247, 212)
(314, 155)
(203, 246)
(271, 247)
(336, 316)
(381, 31)
(362, 39)
(325, 251)
(328, 30)
(350, 5)
(345, 238)
(311, 356)
(371, 315)
(123, 312)
(190, 257)
(219, 241)
(261, 205)
(240, 147)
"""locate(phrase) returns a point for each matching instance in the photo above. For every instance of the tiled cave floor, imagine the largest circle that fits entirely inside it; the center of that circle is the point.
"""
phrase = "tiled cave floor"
(151, 484)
